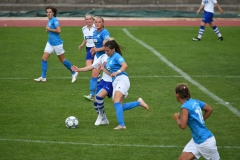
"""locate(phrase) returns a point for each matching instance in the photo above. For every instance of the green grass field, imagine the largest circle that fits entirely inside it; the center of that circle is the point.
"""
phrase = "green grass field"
(32, 115)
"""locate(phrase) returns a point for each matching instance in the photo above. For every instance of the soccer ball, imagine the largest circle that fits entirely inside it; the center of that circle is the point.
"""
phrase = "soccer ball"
(71, 122)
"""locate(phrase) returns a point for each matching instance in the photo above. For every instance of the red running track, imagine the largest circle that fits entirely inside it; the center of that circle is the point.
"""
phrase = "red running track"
(40, 22)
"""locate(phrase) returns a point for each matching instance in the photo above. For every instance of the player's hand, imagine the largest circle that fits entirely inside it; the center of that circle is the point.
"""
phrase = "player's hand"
(93, 50)
(74, 68)
(176, 116)
(80, 47)
(198, 11)
(114, 74)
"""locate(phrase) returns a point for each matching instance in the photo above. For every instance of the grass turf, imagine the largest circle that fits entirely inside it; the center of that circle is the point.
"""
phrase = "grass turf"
(32, 114)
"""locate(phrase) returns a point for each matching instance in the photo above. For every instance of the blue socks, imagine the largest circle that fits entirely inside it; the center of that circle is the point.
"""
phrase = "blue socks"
(93, 86)
(44, 68)
(119, 113)
(68, 65)
(130, 105)
(100, 104)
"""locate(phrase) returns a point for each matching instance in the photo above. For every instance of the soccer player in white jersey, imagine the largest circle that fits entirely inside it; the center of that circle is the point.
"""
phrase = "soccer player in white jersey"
(208, 6)
(54, 44)
(88, 38)
(104, 88)
(116, 68)
(203, 142)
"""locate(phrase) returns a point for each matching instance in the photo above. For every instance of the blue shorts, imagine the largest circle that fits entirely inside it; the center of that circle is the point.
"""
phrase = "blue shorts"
(107, 86)
(89, 54)
(208, 17)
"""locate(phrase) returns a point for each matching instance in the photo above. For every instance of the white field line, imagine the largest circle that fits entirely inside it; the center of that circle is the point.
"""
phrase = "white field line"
(102, 144)
(186, 76)
(79, 77)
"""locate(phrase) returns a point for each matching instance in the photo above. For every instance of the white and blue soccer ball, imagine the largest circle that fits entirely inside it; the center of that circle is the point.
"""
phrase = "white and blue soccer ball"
(71, 122)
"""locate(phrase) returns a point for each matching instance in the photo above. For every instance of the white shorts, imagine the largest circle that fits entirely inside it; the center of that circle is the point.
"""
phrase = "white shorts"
(57, 49)
(122, 84)
(207, 149)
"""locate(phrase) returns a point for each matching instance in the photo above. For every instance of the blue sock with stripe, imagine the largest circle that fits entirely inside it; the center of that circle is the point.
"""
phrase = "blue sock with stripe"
(100, 104)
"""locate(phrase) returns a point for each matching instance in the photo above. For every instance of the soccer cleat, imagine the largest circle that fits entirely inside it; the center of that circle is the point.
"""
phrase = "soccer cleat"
(196, 39)
(220, 38)
(74, 77)
(40, 79)
(99, 120)
(104, 119)
(143, 104)
(88, 97)
(119, 127)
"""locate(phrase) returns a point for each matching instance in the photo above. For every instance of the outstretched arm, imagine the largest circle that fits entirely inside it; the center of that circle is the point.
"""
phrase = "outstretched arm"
(84, 69)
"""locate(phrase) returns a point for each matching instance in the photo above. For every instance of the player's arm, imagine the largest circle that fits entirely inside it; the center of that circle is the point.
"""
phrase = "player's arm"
(84, 69)
(219, 8)
(181, 119)
(200, 8)
(57, 30)
(124, 66)
(207, 111)
(83, 43)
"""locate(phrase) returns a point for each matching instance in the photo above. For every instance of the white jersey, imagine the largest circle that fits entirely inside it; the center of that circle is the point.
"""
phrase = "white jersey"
(88, 35)
(209, 5)
(102, 60)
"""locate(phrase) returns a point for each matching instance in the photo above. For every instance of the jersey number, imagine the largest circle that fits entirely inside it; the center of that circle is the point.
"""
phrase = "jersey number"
(199, 112)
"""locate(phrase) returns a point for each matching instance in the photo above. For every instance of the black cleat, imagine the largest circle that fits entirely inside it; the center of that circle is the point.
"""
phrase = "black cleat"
(196, 39)
(220, 38)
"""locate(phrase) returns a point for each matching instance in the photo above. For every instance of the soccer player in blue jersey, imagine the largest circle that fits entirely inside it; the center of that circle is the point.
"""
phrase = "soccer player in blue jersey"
(116, 68)
(99, 37)
(208, 6)
(104, 88)
(54, 44)
(203, 142)
(88, 38)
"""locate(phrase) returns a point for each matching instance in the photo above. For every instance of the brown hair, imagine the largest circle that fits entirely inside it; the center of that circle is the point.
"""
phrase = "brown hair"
(183, 91)
(54, 10)
(112, 44)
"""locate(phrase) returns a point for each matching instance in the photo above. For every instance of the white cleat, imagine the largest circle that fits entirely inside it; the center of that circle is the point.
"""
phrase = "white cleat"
(74, 77)
(40, 79)
(104, 120)
(99, 120)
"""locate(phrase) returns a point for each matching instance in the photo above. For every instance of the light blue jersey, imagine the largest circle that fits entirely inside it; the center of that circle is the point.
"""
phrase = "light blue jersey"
(114, 64)
(98, 38)
(195, 120)
(53, 38)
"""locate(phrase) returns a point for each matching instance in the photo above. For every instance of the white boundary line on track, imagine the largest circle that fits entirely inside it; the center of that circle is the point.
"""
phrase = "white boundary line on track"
(172, 76)
(186, 76)
(95, 144)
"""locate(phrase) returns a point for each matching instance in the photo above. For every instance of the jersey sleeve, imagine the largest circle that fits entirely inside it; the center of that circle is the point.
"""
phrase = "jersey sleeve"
(105, 35)
(120, 59)
(56, 23)
(201, 104)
